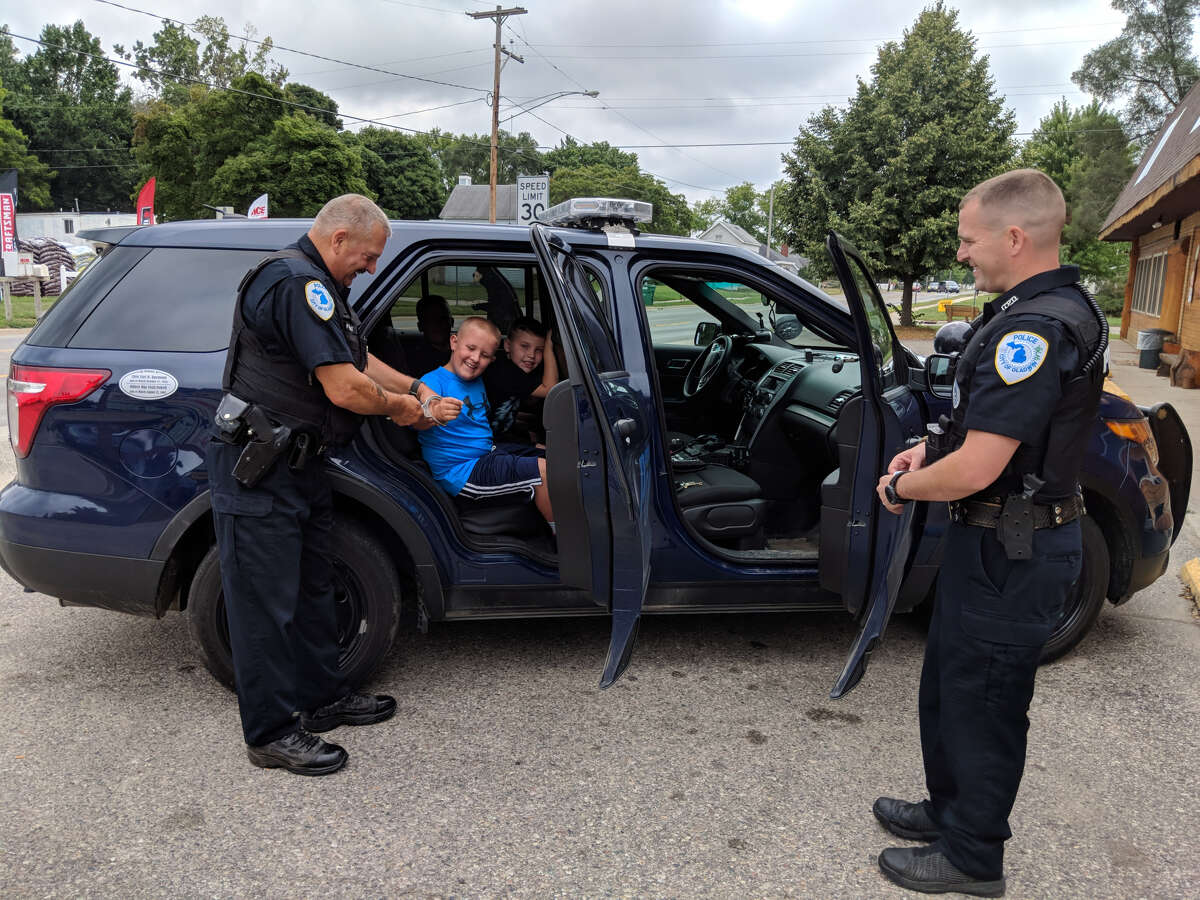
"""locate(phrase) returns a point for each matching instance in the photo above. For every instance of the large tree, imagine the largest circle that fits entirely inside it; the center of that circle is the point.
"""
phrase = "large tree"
(33, 176)
(1150, 64)
(401, 173)
(671, 212)
(301, 163)
(469, 154)
(1086, 151)
(78, 118)
(570, 154)
(889, 170)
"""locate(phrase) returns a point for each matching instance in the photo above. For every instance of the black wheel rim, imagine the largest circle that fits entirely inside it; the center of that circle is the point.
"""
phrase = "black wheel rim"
(351, 608)
(1073, 607)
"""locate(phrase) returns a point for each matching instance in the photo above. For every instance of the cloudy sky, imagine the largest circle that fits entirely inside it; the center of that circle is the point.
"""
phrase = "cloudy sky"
(672, 75)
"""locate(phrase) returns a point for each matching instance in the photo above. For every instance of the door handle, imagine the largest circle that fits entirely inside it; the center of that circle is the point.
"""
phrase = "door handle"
(677, 364)
(625, 427)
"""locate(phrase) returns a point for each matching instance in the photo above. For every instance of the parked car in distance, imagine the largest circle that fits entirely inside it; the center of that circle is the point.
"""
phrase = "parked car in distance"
(950, 287)
(719, 455)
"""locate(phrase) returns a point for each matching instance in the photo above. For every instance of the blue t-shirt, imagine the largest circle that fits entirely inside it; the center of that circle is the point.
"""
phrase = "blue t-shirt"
(453, 449)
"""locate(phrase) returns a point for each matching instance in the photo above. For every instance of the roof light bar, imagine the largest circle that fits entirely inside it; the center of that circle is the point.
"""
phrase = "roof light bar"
(584, 212)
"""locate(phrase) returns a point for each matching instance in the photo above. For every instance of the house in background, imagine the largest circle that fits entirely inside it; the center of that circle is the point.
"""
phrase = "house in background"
(1159, 213)
(723, 232)
(469, 203)
(65, 224)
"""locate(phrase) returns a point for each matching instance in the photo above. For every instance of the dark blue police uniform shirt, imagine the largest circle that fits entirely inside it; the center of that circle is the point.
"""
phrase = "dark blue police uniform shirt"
(287, 324)
(1018, 381)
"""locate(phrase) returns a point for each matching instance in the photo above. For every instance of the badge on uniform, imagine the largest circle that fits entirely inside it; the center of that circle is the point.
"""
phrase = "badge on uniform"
(319, 300)
(1019, 354)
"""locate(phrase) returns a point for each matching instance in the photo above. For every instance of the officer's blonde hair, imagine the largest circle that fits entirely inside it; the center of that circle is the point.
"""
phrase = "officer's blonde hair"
(1027, 198)
(353, 212)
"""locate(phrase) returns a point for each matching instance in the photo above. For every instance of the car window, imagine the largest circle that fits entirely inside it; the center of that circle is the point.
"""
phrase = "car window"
(879, 324)
(470, 288)
(174, 299)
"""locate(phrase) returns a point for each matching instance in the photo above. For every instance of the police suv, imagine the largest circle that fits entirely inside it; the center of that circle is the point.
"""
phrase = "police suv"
(714, 445)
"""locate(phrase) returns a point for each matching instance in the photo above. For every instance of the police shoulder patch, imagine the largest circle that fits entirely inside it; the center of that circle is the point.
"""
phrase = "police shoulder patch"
(1019, 354)
(319, 300)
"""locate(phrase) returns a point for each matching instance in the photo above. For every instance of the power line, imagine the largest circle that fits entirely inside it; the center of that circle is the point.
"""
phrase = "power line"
(275, 46)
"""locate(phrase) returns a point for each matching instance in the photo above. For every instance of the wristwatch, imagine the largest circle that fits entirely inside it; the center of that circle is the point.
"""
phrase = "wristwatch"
(889, 490)
(416, 388)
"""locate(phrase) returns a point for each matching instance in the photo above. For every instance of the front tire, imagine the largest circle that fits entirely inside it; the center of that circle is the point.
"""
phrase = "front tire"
(1086, 596)
(366, 589)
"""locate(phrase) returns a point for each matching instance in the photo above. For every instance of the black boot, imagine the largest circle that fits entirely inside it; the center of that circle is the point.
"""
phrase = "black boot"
(353, 709)
(300, 753)
(926, 869)
(907, 820)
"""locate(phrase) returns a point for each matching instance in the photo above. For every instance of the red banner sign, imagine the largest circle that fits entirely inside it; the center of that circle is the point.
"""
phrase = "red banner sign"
(8, 224)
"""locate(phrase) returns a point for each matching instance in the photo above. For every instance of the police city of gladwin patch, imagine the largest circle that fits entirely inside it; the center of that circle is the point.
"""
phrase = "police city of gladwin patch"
(319, 300)
(1019, 354)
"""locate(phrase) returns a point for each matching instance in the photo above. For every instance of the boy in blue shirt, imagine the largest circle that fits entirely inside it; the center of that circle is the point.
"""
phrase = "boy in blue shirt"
(464, 460)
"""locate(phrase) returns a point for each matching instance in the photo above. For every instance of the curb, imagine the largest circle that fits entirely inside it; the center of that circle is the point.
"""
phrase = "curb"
(1190, 574)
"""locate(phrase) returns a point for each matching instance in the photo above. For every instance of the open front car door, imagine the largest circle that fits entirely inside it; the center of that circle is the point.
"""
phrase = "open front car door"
(876, 429)
(597, 454)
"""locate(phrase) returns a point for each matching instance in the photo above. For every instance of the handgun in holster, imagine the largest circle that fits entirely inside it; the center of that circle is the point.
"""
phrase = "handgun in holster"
(267, 443)
(1015, 528)
(937, 440)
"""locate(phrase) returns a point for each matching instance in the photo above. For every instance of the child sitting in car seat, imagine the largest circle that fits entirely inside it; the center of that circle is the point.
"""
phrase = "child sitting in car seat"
(462, 455)
(519, 381)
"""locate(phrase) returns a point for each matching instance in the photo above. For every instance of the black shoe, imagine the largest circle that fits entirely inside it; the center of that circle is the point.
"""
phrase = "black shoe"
(300, 753)
(353, 709)
(907, 820)
(926, 869)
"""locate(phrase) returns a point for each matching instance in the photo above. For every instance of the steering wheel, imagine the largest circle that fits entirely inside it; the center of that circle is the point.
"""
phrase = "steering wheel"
(708, 365)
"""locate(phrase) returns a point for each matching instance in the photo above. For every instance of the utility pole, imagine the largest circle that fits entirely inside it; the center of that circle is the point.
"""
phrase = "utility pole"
(498, 16)
(770, 219)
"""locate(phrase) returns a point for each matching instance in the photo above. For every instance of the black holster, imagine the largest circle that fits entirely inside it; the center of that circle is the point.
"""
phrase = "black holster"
(269, 442)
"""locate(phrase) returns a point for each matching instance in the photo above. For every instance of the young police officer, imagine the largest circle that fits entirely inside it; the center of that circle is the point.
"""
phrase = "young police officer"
(297, 379)
(1026, 387)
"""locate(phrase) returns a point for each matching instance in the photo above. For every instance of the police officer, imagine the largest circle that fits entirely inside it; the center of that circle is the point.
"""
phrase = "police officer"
(1026, 388)
(297, 380)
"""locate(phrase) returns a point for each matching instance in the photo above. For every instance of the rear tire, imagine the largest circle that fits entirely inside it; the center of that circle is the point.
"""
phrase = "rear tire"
(367, 591)
(1086, 596)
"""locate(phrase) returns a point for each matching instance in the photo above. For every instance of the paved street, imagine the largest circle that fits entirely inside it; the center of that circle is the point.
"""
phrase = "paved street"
(716, 768)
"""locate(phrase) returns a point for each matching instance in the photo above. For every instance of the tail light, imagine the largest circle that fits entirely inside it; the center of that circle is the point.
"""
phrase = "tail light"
(1138, 431)
(32, 390)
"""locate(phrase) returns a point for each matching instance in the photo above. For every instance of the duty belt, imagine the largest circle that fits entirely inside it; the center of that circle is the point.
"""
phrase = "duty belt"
(986, 513)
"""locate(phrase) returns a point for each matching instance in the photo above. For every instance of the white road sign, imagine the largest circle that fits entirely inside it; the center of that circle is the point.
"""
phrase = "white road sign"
(533, 196)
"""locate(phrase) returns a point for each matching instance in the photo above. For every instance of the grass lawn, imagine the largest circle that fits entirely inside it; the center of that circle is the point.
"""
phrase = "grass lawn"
(22, 312)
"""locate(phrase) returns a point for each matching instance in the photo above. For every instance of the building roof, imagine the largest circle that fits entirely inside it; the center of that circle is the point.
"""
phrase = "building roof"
(1164, 186)
(469, 203)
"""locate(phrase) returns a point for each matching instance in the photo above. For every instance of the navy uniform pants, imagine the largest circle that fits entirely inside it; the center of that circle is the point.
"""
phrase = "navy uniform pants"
(278, 585)
(991, 619)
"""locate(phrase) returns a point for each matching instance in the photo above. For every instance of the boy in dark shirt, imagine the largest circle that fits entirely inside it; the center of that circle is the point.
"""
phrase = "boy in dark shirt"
(518, 382)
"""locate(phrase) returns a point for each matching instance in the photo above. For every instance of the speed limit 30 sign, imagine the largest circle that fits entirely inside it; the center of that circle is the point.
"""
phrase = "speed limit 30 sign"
(533, 196)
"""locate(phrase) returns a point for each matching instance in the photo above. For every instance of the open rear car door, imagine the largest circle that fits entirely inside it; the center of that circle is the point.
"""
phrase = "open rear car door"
(597, 454)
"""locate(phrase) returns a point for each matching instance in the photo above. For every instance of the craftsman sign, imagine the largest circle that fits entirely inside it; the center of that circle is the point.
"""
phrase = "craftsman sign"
(8, 224)
(533, 196)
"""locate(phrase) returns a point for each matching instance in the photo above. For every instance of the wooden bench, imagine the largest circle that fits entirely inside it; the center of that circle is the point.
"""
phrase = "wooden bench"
(958, 311)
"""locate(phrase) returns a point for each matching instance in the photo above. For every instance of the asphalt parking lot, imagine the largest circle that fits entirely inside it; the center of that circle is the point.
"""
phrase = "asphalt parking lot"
(716, 768)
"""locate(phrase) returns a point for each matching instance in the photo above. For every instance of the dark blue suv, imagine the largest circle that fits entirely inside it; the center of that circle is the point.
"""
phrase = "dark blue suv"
(714, 446)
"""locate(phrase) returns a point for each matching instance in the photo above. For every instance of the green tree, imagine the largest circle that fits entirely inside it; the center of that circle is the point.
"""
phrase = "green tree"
(671, 212)
(469, 154)
(320, 106)
(889, 170)
(570, 154)
(170, 65)
(1087, 153)
(1150, 63)
(740, 205)
(184, 145)
(33, 176)
(301, 163)
(78, 118)
(401, 172)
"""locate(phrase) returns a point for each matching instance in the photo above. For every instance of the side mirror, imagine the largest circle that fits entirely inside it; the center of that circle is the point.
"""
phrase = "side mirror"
(788, 327)
(939, 374)
(706, 333)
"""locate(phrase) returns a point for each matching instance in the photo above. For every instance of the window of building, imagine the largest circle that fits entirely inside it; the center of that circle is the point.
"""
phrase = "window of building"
(68, 226)
(1149, 281)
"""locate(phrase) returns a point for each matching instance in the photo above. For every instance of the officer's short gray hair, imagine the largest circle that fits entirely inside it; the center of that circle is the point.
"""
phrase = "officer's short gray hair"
(1027, 198)
(354, 212)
